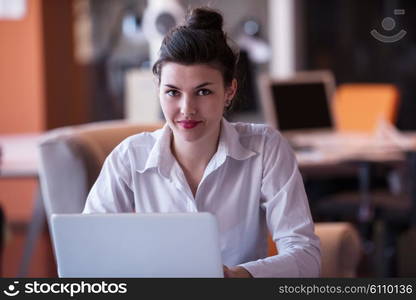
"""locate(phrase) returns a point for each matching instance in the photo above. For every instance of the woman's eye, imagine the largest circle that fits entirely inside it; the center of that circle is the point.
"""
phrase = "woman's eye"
(172, 93)
(203, 92)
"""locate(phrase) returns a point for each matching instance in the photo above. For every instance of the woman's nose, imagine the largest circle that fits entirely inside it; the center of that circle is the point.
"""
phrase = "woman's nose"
(187, 106)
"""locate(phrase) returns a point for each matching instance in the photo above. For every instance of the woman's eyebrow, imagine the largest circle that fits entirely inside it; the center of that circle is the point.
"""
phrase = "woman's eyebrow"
(202, 85)
(171, 86)
(197, 87)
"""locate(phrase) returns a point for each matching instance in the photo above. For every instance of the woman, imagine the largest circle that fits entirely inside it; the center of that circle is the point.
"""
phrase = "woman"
(245, 174)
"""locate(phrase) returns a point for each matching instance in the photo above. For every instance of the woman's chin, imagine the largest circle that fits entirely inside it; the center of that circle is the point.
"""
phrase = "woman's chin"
(188, 135)
(194, 134)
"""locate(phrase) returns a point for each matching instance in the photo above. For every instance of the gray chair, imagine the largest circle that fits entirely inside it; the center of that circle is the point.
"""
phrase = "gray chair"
(71, 159)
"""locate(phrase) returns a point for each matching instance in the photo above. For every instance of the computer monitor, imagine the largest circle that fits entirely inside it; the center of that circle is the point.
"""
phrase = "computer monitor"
(301, 102)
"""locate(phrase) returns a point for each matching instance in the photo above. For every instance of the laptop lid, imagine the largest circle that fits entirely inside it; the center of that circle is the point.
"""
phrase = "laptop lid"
(137, 245)
(300, 103)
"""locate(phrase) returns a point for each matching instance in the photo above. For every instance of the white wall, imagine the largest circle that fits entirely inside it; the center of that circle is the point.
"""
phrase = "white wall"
(282, 37)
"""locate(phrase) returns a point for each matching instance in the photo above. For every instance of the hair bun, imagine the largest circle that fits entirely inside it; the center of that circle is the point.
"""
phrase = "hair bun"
(205, 19)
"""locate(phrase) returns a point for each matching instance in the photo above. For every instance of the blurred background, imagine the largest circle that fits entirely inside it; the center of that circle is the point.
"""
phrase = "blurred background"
(71, 62)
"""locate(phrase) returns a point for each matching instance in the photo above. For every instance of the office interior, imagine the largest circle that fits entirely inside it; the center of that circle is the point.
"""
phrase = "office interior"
(70, 63)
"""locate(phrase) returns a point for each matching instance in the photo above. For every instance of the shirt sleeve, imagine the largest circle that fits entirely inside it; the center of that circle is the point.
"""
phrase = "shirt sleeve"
(288, 217)
(112, 192)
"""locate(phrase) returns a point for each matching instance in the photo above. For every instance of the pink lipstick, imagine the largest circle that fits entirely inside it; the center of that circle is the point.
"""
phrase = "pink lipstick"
(189, 124)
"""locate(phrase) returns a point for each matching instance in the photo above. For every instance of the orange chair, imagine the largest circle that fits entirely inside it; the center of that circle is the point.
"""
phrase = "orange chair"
(360, 107)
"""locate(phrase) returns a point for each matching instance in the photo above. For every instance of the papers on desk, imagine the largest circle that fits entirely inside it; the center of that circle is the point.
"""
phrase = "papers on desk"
(19, 155)
(385, 144)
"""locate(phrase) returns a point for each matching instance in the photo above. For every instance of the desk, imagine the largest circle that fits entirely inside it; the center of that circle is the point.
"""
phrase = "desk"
(329, 153)
(19, 160)
(326, 149)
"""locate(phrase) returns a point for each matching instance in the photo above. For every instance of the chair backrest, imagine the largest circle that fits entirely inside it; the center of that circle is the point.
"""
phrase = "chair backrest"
(71, 159)
(359, 107)
(341, 248)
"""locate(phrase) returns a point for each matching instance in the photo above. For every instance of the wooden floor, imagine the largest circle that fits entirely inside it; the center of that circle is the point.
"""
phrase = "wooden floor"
(42, 262)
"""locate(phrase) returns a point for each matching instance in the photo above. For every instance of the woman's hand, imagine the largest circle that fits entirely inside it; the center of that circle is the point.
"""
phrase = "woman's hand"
(236, 272)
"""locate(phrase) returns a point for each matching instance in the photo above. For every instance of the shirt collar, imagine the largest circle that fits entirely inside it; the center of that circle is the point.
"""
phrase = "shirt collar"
(160, 155)
(229, 144)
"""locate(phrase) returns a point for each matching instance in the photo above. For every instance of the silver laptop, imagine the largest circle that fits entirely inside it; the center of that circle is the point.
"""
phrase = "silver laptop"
(137, 245)
(302, 102)
(300, 106)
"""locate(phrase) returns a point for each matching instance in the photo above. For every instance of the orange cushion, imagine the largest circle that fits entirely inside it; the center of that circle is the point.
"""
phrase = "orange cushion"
(359, 107)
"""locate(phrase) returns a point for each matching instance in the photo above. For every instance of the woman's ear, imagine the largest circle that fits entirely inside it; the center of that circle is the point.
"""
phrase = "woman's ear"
(231, 90)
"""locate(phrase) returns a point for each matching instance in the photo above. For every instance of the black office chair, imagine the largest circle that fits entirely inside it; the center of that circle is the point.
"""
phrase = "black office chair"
(399, 217)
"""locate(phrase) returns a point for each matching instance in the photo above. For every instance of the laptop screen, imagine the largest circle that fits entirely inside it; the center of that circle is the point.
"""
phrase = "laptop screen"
(301, 105)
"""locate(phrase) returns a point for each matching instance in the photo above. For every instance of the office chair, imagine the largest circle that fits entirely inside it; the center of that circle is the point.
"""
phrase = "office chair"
(71, 159)
(399, 218)
(340, 247)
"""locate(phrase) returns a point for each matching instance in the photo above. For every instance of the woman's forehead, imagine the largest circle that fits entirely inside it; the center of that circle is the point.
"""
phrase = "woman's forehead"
(189, 75)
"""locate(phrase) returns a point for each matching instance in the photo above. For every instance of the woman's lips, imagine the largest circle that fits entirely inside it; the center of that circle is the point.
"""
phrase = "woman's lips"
(188, 124)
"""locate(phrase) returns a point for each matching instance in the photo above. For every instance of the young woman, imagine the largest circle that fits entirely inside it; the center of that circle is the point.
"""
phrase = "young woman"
(245, 174)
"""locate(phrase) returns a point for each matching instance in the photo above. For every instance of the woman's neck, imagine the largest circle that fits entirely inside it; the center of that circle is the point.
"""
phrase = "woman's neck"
(194, 155)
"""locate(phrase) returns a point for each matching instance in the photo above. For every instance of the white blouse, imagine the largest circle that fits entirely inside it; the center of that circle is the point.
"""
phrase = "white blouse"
(251, 184)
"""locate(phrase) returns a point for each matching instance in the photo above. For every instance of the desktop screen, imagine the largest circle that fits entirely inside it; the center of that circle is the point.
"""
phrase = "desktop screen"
(301, 106)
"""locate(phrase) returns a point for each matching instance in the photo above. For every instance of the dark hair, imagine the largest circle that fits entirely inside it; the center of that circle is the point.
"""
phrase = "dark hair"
(200, 40)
